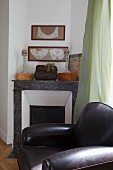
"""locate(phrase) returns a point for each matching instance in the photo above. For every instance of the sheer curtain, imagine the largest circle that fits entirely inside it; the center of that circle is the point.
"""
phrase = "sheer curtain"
(111, 83)
(95, 74)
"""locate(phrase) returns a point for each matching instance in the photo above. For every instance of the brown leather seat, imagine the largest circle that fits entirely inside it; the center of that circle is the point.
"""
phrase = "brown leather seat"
(86, 145)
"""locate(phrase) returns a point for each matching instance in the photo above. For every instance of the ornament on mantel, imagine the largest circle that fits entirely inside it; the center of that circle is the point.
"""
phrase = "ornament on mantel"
(24, 54)
(67, 75)
(66, 52)
(24, 75)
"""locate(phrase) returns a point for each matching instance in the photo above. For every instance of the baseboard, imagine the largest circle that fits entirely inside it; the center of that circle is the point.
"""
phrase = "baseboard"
(5, 138)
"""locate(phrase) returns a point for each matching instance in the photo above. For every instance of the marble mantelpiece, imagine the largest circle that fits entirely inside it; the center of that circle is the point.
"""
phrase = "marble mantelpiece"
(19, 86)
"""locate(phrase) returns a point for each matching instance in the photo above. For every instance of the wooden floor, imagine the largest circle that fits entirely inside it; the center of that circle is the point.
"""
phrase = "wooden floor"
(6, 164)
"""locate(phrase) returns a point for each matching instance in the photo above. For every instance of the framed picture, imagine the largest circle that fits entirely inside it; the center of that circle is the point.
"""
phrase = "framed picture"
(48, 32)
(39, 53)
(74, 63)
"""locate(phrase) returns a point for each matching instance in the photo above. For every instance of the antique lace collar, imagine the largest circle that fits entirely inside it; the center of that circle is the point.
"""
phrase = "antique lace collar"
(41, 34)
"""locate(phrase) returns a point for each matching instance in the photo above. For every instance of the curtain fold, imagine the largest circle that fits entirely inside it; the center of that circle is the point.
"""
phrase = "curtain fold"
(95, 74)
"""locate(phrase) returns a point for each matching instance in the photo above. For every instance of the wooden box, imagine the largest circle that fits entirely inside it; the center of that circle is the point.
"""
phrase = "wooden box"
(67, 76)
(24, 76)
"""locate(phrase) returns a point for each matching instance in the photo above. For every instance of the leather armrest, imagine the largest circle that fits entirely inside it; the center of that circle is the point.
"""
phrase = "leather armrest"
(48, 135)
(94, 158)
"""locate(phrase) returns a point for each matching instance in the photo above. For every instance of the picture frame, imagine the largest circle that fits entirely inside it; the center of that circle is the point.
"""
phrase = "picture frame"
(48, 32)
(45, 53)
(75, 63)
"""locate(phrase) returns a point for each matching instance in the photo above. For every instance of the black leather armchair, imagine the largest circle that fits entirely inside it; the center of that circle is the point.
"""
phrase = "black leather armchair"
(86, 145)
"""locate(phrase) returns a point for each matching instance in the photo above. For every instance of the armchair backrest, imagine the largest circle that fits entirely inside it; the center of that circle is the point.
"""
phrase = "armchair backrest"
(95, 126)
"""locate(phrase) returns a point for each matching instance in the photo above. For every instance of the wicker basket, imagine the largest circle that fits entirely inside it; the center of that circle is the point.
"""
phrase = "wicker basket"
(45, 73)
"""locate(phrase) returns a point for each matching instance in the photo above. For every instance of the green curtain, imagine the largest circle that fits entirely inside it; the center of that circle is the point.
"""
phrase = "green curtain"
(95, 74)
(111, 84)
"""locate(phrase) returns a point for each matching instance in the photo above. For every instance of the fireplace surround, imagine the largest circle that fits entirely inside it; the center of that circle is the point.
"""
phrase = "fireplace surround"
(50, 106)
(20, 86)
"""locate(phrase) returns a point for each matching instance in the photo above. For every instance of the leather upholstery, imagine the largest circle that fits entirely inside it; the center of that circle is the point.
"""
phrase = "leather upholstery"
(95, 126)
(81, 158)
(48, 135)
(32, 156)
(86, 145)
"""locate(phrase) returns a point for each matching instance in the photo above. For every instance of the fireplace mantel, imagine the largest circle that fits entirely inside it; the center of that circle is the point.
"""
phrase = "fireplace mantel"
(19, 86)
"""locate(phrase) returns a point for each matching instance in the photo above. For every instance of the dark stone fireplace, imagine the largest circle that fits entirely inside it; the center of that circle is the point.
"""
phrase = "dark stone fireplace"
(23, 85)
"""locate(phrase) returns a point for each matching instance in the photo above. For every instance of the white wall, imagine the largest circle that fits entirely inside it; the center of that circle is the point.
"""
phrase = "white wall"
(78, 15)
(18, 34)
(53, 12)
(4, 27)
(16, 19)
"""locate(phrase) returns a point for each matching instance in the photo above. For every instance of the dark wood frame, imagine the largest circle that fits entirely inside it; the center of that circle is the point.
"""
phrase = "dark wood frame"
(48, 56)
(61, 30)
